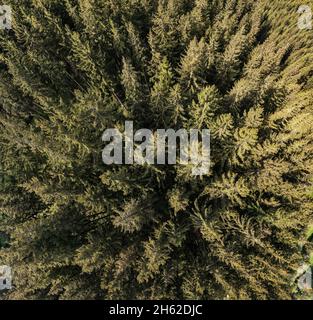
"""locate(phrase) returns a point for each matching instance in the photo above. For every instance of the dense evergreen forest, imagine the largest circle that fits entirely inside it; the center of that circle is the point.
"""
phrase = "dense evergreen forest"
(72, 227)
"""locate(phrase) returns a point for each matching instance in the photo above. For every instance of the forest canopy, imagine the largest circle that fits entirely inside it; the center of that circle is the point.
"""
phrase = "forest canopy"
(72, 227)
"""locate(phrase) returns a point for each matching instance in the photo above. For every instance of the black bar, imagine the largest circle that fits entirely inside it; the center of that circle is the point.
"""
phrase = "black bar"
(150, 309)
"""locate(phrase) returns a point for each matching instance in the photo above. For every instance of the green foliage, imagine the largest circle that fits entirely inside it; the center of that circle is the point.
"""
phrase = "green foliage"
(73, 228)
